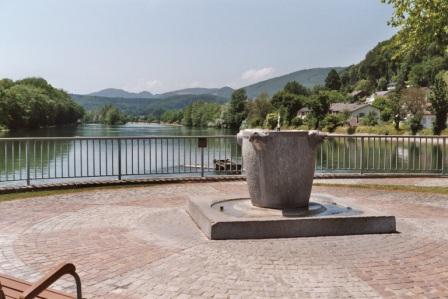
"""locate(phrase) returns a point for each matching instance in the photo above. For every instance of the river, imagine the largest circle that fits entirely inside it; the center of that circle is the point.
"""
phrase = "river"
(129, 129)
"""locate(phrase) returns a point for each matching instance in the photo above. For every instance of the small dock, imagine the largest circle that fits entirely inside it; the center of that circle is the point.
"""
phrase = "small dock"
(227, 166)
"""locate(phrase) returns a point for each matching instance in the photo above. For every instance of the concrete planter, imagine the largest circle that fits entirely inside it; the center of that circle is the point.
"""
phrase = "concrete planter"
(279, 166)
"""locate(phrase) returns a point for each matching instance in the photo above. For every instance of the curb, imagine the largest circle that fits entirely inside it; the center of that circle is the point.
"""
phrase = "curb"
(107, 183)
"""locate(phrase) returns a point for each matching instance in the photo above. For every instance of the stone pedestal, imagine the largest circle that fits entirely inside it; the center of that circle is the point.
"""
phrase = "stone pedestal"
(237, 219)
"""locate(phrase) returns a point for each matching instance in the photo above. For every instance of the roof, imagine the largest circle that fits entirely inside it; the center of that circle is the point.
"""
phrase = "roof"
(350, 107)
(382, 93)
(341, 107)
(357, 93)
(304, 109)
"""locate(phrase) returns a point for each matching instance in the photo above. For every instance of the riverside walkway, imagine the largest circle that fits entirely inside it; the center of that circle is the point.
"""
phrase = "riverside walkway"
(138, 242)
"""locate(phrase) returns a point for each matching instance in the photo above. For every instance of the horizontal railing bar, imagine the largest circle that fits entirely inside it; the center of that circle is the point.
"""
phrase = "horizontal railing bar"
(386, 136)
(201, 136)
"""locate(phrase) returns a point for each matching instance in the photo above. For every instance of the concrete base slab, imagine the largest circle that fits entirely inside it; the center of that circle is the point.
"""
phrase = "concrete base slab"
(222, 219)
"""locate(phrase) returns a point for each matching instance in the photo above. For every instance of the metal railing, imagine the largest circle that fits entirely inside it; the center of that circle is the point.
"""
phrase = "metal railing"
(31, 159)
(382, 154)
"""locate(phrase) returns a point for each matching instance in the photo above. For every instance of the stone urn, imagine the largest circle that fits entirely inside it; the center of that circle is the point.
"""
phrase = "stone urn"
(279, 166)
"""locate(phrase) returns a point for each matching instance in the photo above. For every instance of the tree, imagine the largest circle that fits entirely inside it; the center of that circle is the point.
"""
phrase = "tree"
(288, 104)
(237, 109)
(200, 114)
(395, 108)
(424, 73)
(371, 119)
(258, 110)
(421, 23)
(33, 103)
(365, 85)
(296, 88)
(332, 121)
(271, 121)
(319, 105)
(172, 116)
(290, 100)
(413, 101)
(382, 84)
(333, 81)
(345, 79)
(439, 103)
(110, 115)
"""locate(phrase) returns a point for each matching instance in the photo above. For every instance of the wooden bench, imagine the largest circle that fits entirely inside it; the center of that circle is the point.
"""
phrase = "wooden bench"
(11, 287)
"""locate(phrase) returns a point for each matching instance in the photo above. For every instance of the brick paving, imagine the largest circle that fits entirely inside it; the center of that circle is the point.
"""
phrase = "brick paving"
(140, 243)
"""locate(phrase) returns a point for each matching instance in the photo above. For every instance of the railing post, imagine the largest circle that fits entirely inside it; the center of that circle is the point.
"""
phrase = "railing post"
(443, 155)
(362, 155)
(27, 161)
(119, 159)
(202, 143)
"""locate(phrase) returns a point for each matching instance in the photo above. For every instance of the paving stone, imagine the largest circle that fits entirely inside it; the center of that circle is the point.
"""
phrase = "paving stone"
(139, 243)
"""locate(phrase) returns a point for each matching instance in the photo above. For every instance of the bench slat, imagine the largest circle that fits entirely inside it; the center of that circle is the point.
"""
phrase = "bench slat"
(14, 287)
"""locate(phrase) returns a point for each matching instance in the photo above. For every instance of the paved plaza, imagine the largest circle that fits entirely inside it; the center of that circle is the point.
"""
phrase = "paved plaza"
(139, 242)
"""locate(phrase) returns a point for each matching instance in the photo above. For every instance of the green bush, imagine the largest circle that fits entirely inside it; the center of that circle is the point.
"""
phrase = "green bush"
(332, 121)
(271, 121)
(370, 119)
(296, 122)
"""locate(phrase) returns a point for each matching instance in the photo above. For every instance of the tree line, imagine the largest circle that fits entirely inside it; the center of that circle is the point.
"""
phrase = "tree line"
(107, 115)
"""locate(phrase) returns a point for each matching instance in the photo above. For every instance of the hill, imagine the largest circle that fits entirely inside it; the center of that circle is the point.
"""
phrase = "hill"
(308, 78)
(119, 93)
(224, 92)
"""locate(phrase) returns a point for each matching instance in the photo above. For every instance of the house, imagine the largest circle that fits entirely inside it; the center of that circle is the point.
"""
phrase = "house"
(302, 113)
(355, 110)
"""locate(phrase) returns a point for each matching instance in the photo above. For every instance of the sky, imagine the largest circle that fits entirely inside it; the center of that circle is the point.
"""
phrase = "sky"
(162, 45)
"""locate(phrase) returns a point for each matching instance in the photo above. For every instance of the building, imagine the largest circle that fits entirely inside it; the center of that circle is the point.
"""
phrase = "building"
(356, 111)
(428, 119)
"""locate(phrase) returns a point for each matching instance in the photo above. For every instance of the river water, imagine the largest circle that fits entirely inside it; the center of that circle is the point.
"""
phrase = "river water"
(129, 129)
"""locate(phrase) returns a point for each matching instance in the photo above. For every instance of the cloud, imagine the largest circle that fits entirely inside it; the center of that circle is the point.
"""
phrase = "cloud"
(257, 74)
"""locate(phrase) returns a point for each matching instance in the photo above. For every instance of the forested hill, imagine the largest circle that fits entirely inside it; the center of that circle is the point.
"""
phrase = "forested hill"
(384, 64)
(144, 107)
(308, 78)
(119, 93)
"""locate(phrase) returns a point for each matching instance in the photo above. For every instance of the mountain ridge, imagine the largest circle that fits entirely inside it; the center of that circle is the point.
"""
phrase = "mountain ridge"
(120, 93)
(307, 77)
